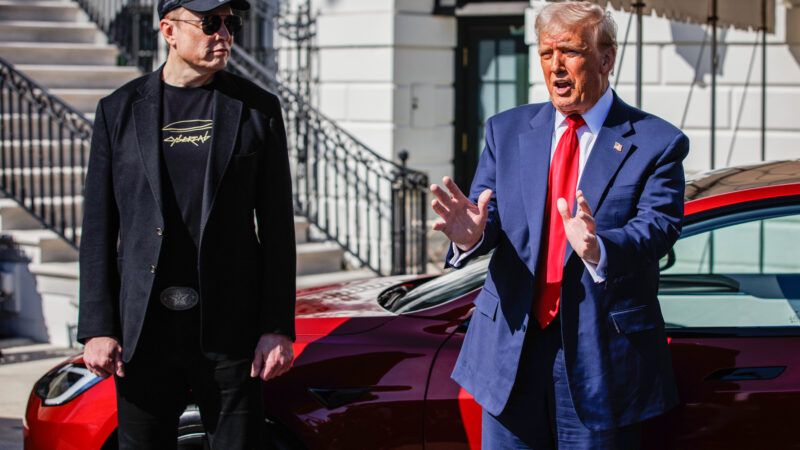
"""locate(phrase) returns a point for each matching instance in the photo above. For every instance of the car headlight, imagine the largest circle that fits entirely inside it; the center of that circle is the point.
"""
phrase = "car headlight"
(64, 384)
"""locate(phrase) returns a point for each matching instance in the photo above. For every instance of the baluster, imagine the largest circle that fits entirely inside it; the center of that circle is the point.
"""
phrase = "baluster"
(422, 238)
(27, 158)
(63, 223)
(15, 144)
(73, 173)
(346, 199)
(4, 120)
(314, 215)
(357, 210)
(40, 158)
(325, 194)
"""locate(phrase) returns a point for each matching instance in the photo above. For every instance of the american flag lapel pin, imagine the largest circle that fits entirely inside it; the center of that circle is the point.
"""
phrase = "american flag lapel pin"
(617, 146)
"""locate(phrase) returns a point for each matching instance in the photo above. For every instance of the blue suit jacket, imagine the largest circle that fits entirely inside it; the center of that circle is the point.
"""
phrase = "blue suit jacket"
(615, 347)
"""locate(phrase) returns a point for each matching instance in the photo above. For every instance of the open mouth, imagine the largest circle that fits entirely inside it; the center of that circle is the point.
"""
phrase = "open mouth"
(562, 87)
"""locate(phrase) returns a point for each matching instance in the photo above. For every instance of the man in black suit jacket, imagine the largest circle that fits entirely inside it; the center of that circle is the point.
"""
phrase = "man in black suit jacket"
(181, 289)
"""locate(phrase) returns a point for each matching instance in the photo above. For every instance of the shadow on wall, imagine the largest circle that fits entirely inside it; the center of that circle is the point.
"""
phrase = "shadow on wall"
(21, 313)
(693, 45)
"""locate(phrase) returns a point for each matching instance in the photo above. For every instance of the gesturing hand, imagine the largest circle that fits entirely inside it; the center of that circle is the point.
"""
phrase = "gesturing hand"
(580, 230)
(461, 220)
(103, 357)
(273, 356)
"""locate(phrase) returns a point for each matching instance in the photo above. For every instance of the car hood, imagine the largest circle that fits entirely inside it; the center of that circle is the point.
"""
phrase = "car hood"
(346, 300)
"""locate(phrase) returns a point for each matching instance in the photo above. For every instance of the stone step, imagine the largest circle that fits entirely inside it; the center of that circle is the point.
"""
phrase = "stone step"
(319, 257)
(58, 53)
(60, 278)
(15, 217)
(42, 31)
(82, 100)
(41, 11)
(57, 284)
(300, 229)
(20, 126)
(79, 76)
(43, 246)
(322, 279)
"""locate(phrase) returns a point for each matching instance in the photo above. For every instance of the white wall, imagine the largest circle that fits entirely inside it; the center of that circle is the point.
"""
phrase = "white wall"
(384, 72)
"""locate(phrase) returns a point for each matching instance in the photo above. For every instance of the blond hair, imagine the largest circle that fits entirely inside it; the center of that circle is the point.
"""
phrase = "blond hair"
(573, 15)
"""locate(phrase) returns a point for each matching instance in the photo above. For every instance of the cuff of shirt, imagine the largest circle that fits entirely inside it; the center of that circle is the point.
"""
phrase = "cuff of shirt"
(598, 271)
(459, 256)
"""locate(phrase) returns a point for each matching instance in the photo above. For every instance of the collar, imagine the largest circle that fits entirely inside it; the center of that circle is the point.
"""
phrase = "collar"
(596, 115)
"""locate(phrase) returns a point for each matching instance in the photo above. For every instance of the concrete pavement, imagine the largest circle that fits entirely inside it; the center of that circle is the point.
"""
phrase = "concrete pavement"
(22, 364)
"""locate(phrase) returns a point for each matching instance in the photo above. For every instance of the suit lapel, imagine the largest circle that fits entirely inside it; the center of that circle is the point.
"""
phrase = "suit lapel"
(227, 114)
(534, 156)
(609, 151)
(146, 116)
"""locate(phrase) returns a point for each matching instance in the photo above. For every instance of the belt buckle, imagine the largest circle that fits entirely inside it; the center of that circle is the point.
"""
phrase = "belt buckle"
(179, 298)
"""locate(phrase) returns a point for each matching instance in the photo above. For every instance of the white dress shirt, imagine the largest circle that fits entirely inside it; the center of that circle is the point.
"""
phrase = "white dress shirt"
(587, 135)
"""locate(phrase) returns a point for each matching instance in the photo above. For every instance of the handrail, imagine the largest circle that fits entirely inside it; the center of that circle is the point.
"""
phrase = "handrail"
(44, 144)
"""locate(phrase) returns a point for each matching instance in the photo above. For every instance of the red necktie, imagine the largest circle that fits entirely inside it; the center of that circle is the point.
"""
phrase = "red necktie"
(561, 183)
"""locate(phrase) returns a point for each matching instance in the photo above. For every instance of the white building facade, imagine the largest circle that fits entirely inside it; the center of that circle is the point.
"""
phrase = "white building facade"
(424, 75)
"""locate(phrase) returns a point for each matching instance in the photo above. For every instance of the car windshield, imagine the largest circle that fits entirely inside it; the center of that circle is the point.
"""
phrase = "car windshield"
(407, 298)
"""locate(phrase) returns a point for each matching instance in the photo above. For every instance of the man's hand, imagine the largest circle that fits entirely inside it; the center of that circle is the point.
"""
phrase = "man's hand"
(273, 356)
(461, 220)
(580, 230)
(103, 357)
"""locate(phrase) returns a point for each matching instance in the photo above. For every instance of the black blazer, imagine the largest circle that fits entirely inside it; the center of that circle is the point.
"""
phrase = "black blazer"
(246, 267)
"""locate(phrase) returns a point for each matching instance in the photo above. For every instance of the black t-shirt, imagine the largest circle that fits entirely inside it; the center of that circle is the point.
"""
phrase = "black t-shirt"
(186, 139)
(186, 135)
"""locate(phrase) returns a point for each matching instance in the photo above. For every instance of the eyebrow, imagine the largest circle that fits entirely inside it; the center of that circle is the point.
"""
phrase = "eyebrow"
(567, 46)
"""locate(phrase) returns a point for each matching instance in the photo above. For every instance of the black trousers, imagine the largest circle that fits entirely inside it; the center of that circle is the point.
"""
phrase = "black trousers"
(168, 371)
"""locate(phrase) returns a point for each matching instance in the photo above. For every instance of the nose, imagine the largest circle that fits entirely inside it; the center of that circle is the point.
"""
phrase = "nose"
(223, 32)
(556, 62)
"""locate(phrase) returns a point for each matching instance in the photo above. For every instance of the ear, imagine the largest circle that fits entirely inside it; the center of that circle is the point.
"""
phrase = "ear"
(607, 59)
(167, 28)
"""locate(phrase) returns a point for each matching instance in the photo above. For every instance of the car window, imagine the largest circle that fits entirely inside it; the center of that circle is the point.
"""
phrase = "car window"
(741, 270)
(444, 288)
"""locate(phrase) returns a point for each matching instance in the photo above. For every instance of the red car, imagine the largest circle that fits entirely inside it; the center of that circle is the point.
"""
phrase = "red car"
(374, 357)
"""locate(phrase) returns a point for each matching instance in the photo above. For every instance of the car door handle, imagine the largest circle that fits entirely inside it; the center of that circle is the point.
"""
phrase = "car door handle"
(746, 373)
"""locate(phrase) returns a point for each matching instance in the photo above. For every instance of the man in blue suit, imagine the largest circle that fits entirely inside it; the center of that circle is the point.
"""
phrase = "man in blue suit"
(579, 198)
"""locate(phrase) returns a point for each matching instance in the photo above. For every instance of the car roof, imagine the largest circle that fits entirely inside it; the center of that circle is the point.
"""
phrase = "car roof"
(732, 185)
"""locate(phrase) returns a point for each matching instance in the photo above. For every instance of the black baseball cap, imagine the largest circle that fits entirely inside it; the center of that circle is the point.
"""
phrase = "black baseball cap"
(200, 6)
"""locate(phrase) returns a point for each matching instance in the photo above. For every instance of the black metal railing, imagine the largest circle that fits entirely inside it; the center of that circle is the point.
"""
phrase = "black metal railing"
(373, 207)
(44, 146)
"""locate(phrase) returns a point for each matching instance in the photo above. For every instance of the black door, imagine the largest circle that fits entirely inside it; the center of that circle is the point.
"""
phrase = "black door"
(491, 76)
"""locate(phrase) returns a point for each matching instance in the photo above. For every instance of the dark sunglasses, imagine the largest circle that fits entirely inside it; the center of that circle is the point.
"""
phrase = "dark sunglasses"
(211, 23)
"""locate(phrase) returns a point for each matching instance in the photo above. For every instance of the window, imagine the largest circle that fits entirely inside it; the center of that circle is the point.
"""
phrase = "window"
(742, 270)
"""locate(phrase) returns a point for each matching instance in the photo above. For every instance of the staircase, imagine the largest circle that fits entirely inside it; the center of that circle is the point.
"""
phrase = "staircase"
(55, 44)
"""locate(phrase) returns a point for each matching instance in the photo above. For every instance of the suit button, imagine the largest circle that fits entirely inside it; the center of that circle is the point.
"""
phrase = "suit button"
(159, 231)
(152, 268)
